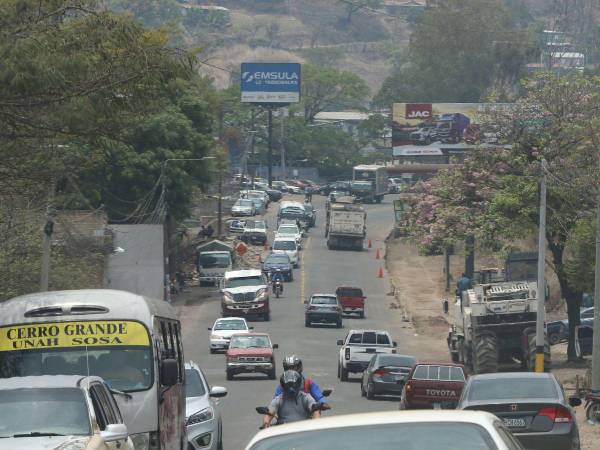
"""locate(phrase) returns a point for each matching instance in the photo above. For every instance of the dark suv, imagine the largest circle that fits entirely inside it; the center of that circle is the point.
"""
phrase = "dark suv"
(323, 308)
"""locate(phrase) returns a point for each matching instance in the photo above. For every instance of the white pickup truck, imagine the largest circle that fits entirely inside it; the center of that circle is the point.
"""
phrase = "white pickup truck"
(358, 348)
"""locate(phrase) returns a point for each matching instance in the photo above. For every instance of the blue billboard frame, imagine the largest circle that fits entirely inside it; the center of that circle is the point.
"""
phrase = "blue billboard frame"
(270, 83)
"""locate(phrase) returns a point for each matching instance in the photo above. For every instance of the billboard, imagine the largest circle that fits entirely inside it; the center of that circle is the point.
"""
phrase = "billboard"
(445, 125)
(270, 82)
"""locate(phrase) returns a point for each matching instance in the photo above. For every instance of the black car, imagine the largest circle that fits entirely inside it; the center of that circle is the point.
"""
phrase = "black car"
(274, 194)
(532, 405)
(281, 262)
(386, 374)
(323, 308)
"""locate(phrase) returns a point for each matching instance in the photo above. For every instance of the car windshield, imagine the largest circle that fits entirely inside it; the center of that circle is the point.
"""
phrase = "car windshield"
(248, 203)
(249, 342)
(396, 361)
(230, 325)
(125, 369)
(323, 300)
(214, 261)
(284, 245)
(512, 389)
(402, 436)
(194, 387)
(255, 280)
(277, 259)
(61, 411)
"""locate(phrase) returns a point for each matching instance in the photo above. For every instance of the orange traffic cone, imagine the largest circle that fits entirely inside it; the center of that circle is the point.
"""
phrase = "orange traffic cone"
(370, 243)
(377, 255)
(380, 274)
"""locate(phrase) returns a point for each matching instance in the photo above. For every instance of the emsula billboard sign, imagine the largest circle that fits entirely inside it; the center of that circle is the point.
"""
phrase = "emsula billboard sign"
(270, 82)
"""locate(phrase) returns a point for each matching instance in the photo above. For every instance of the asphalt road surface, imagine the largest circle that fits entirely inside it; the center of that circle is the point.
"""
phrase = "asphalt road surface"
(321, 271)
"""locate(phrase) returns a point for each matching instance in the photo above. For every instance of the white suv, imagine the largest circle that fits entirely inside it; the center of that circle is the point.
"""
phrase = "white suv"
(223, 329)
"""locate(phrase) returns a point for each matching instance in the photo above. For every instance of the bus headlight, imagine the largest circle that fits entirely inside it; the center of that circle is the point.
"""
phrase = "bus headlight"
(201, 416)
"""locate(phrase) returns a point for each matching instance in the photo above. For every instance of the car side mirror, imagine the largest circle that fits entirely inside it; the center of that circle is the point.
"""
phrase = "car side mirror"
(115, 432)
(270, 247)
(574, 401)
(445, 306)
(340, 342)
(262, 410)
(251, 328)
(169, 370)
(306, 302)
(218, 391)
(327, 392)
(209, 329)
(395, 344)
(275, 346)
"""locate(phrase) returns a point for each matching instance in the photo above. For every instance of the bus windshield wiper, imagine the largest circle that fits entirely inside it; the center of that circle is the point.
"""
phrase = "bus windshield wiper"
(37, 433)
(117, 392)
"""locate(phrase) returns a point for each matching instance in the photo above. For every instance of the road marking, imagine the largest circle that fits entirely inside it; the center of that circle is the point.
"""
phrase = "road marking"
(303, 272)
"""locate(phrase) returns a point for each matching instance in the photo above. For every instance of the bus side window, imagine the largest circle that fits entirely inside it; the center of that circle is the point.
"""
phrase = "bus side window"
(167, 350)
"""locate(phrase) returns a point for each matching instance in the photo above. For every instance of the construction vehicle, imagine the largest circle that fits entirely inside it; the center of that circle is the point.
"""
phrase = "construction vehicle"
(346, 225)
(494, 323)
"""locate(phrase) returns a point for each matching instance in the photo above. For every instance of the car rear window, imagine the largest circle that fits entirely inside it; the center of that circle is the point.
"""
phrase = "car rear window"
(372, 338)
(349, 292)
(323, 300)
(438, 372)
(395, 361)
(512, 389)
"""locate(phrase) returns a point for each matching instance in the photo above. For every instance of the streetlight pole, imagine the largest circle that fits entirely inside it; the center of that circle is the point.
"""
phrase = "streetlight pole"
(541, 280)
(166, 232)
(270, 142)
(596, 327)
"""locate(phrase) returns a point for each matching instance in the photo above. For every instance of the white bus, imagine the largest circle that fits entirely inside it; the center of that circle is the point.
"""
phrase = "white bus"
(132, 342)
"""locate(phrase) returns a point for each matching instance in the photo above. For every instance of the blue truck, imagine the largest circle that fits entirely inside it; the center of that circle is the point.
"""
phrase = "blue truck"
(450, 127)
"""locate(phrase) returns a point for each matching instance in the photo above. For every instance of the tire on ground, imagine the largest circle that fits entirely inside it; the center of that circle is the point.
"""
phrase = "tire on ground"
(531, 353)
(485, 353)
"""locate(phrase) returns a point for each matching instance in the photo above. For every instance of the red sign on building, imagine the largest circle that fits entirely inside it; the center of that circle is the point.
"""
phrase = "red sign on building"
(421, 111)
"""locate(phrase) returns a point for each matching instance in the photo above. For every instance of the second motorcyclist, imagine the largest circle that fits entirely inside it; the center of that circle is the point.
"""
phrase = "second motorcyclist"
(293, 404)
(308, 386)
(277, 281)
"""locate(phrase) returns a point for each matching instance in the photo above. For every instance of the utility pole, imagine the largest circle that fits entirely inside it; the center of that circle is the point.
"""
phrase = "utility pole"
(166, 234)
(596, 335)
(283, 112)
(270, 153)
(541, 277)
(47, 243)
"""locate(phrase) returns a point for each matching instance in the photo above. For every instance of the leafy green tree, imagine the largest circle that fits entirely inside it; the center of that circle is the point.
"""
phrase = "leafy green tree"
(324, 88)
(460, 51)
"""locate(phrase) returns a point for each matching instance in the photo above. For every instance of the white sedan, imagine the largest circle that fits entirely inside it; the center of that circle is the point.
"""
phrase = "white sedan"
(289, 231)
(407, 430)
(223, 329)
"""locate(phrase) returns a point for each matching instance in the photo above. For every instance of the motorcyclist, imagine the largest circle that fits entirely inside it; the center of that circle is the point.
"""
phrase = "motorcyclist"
(308, 385)
(293, 404)
(277, 277)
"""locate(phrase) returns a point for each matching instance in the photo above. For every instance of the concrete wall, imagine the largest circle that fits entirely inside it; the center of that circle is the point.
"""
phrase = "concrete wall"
(139, 268)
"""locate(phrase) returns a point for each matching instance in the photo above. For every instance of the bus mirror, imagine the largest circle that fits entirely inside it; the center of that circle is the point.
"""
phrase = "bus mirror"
(168, 372)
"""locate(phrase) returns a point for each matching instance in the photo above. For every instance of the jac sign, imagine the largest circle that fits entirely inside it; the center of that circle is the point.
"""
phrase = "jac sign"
(419, 111)
(270, 82)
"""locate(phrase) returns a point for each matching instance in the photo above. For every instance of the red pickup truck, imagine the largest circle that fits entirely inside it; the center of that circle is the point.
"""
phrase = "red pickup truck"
(352, 300)
(433, 385)
(250, 353)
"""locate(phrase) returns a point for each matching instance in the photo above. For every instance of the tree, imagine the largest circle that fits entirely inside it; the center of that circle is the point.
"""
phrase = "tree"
(494, 195)
(460, 51)
(324, 88)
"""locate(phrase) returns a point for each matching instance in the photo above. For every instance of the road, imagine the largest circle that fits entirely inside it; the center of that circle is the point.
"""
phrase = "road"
(322, 271)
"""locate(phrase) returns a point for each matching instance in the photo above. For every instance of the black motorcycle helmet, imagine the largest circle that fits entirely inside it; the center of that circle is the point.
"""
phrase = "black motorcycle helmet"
(291, 382)
(292, 363)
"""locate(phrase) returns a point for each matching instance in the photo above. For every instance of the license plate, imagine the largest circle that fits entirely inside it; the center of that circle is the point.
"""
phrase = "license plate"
(371, 350)
(245, 311)
(250, 368)
(514, 423)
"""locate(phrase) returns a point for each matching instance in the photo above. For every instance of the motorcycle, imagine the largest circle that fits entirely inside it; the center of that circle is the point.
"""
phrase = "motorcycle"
(319, 406)
(277, 288)
(592, 406)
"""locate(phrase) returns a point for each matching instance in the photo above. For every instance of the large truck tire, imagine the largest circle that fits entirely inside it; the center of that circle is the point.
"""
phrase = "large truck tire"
(531, 353)
(485, 353)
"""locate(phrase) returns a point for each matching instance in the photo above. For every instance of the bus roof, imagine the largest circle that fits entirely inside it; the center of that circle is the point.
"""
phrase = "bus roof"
(71, 305)
(368, 167)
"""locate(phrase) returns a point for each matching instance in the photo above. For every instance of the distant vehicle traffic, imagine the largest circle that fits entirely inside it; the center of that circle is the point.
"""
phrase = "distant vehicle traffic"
(414, 430)
(433, 385)
(250, 353)
(223, 329)
(245, 293)
(323, 308)
(358, 348)
(64, 411)
(386, 374)
(203, 414)
(134, 343)
(532, 405)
